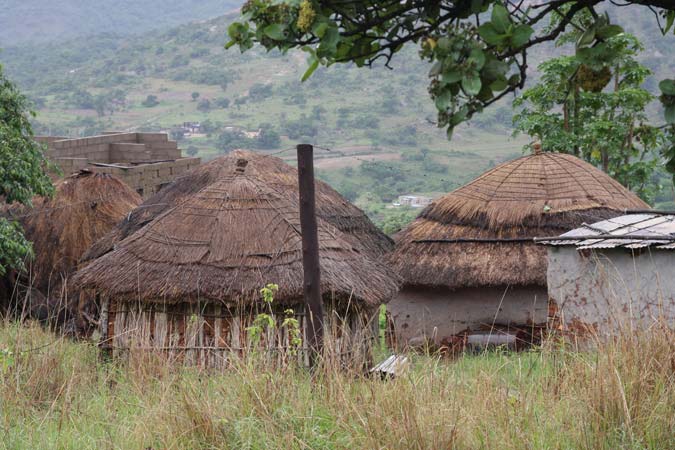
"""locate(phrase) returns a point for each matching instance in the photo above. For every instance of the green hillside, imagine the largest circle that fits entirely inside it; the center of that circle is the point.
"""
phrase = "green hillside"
(379, 115)
(162, 79)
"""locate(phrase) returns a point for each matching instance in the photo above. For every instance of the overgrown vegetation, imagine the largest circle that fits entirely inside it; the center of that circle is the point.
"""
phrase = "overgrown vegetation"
(56, 394)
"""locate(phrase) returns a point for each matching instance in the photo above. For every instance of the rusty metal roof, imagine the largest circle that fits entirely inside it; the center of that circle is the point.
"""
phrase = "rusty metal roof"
(631, 231)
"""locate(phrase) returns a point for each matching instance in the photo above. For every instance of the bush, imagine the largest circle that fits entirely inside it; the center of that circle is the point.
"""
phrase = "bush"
(150, 101)
(209, 127)
(259, 92)
(240, 101)
(296, 129)
(82, 99)
(406, 135)
(179, 61)
(222, 102)
(208, 75)
(177, 134)
(204, 105)
(268, 137)
(296, 98)
(232, 139)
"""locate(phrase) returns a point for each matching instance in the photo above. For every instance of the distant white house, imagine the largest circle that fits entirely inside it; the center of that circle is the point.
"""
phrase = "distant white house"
(413, 201)
(192, 127)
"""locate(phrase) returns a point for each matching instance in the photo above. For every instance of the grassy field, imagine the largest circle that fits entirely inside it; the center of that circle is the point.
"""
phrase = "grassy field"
(55, 394)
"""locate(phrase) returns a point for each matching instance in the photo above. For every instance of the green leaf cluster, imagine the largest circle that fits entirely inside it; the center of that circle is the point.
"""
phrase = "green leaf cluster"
(667, 98)
(266, 321)
(477, 48)
(501, 32)
(22, 170)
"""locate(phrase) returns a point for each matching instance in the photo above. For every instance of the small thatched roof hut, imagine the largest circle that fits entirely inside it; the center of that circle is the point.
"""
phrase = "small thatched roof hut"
(480, 235)
(224, 244)
(210, 255)
(330, 205)
(83, 209)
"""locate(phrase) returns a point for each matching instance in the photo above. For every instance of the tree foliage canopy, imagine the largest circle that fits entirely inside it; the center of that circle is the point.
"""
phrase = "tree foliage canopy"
(478, 48)
(595, 110)
(22, 169)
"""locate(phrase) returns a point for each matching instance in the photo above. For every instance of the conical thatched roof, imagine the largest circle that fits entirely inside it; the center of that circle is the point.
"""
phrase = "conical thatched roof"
(459, 240)
(84, 208)
(330, 205)
(227, 241)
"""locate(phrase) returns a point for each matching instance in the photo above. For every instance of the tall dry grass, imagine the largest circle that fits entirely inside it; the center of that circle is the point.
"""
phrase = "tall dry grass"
(55, 393)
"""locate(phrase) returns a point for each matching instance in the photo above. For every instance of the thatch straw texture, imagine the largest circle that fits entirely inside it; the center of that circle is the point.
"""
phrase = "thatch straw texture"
(84, 208)
(226, 242)
(544, 194)
(330, 205)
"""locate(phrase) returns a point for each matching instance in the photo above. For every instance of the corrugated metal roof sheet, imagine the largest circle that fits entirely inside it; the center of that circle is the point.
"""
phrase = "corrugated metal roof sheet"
(632, 231)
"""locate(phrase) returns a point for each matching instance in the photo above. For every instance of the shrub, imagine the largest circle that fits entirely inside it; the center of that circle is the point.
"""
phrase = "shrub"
(150, 101)
(204, 105)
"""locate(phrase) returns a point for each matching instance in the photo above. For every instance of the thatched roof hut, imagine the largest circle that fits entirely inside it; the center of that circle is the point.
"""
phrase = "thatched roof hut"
(209, 255)
(83, 209)
(330, 205)
(480, 234)
(224, 244)
(474, 245)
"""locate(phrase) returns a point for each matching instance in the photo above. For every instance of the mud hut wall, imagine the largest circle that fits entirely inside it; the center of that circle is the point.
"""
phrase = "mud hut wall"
(420, 314)
(209, 335)
(604, 289)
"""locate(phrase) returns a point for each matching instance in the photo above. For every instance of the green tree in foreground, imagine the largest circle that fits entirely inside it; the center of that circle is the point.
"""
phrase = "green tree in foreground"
(594, 108)
(478, 48)
(22, 170)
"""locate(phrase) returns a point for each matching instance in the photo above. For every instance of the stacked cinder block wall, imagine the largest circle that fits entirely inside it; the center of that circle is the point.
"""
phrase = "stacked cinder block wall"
(145, 161)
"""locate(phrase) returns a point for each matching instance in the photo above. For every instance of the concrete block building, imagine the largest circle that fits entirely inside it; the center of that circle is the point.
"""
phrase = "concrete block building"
(614, 275)
(145, 161)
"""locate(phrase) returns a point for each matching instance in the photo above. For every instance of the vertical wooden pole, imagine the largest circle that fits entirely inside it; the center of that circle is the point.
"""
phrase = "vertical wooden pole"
(104, 342)
(310, 252)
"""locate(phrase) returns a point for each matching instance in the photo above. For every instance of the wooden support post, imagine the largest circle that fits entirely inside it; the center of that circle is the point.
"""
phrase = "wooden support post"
(310, 252)
(104, 342)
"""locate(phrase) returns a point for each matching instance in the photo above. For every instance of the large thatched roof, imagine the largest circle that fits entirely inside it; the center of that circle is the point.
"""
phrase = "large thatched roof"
(84, 208)
(227, 241)
(461, 239)
(331, 206)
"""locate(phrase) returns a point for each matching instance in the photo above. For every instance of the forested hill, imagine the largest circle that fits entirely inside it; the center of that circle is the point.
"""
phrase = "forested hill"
(49, 20)
(163, 78)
